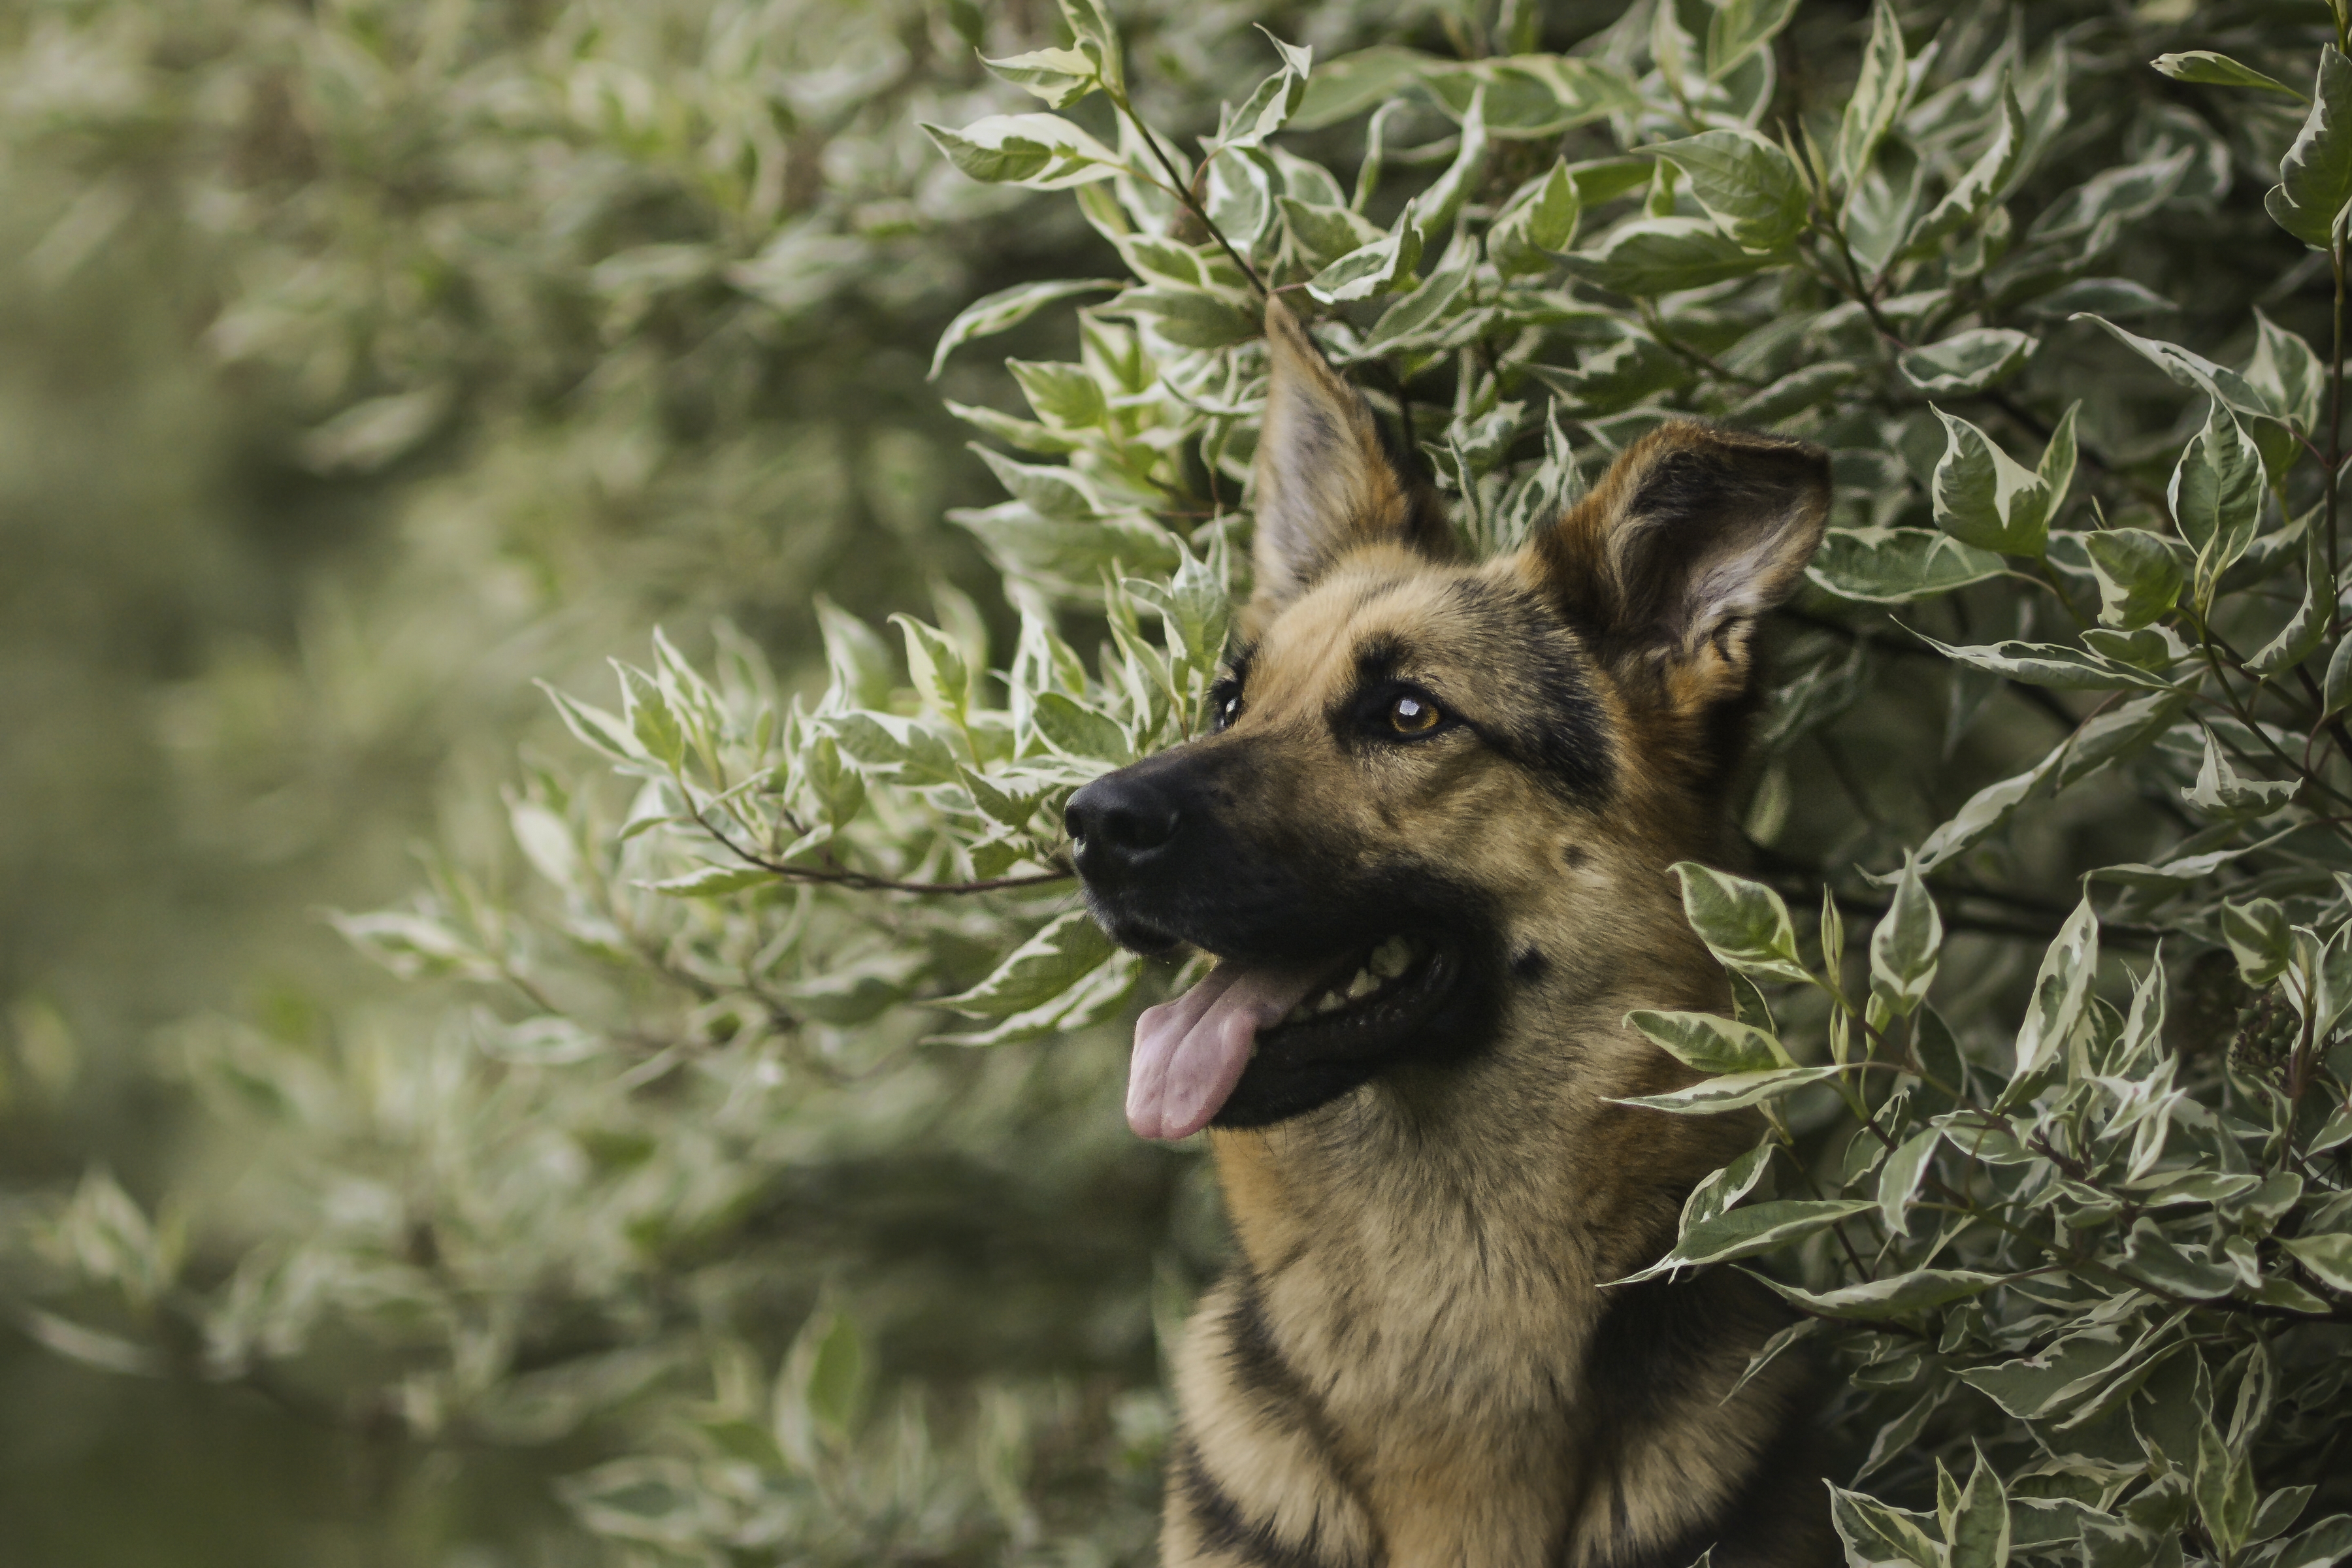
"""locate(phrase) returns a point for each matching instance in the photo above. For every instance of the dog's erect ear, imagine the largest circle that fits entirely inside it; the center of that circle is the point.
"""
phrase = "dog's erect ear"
(1694, 532)
(1324, 486)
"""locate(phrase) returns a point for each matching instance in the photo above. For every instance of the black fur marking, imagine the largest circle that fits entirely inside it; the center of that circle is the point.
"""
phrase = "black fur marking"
(1549, 719)
(1572, 856)
(1529, 966)
(1219, 1519)
(1653, 1358)
(1257, 1364)
(1535, 703)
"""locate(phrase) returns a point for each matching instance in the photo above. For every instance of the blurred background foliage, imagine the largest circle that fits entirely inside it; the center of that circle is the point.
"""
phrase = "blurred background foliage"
(366, 361)
(362, 362)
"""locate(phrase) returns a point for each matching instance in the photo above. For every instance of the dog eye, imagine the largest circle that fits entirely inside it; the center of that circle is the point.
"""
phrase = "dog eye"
(1224, 704)
(1411, 715)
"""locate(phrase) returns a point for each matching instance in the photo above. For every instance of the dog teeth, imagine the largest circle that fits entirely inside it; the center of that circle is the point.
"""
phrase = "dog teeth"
(1383, 964)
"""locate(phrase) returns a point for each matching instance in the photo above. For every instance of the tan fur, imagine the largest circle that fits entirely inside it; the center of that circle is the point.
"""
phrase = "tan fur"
(1400, 1374)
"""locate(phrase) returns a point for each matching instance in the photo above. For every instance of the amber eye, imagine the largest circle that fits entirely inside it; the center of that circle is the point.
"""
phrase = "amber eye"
(1413, 716)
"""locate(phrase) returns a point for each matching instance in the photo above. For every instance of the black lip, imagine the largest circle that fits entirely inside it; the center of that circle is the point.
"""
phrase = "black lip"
(1379, 1025)
(1299, 1067)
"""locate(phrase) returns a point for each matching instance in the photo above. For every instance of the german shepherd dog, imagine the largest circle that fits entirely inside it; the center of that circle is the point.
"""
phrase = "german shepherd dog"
(1427, 843)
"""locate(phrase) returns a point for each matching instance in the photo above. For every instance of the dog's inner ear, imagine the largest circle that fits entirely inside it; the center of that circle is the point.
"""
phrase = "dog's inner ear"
(1324, 486)
(1693, 535)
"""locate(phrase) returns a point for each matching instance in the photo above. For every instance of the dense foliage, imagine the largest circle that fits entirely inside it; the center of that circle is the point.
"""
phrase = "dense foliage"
(764, 1153)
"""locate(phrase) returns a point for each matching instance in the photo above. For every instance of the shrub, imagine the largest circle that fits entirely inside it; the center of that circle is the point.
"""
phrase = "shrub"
(2071, 675)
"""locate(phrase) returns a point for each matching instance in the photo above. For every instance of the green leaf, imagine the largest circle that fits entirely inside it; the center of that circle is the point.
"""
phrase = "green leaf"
(1899, 1178)
(2257, 933)
(1876, 1534)
(2031, 1386)
(863, 673)
(1530, 97)
(650, 717)
(1710, 1044)
(593, 727)
(1040, 151)
(1092, 29)
(1985, 182)
(1984, 498)
(1354, 82)
(1080, 731)
(1652, 255)
(2324, 1545)
(1967, 362)
(1070, 557)
(1060, 77)
(1444, 199)
(1063, 394)
(1070, 947)
(2279, 1512)
(1984, 811)
(1723, 1188)
(2287, 371)
(1979, 1532)
(2053, 664)
(1423, 315)
(2316, 176)
(1022, 435)
(1539, 220)
(2190, 369)
(1743, 923)
(2117, 734)
(1053, 491)
(2151, 1258)
(2220, 791)
(1270, 106)
(822, 1387)
(2219, 70)
(1375, 268)
(1732, 1091)
(1324, 234)
(1190, 318)
(1744, 1232)
(2336, 693)
(2140, 573)
(712, 882)
(1894, 1296)
(1877, 95)
(1097, 995)
(2224, 1488)
(1795, 393)
(1746, 183)
(1739, 28)
(1618, 375)
(2328, 1257)
(2060, 992)
(1897, 565)
(1905, 946)
(937, 666)
(1007, 308)
(2216, 496)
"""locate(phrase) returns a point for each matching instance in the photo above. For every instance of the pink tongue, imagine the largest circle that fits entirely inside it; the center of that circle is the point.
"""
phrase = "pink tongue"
(1189, 1053)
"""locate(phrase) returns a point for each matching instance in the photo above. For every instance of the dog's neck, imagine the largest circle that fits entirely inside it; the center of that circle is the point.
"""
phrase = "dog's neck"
(1430, 1257)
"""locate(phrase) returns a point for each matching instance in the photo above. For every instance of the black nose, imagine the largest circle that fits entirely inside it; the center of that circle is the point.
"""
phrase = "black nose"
(1118, 822)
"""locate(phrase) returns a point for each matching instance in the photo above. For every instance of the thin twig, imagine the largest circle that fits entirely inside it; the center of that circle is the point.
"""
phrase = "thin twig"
(859, 880)
(1182, 190)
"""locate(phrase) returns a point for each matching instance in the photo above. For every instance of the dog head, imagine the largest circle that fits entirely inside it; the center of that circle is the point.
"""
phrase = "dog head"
(1436, 789)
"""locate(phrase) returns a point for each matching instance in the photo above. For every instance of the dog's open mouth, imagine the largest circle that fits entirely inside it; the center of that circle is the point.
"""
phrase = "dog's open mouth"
(1191, 1053)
